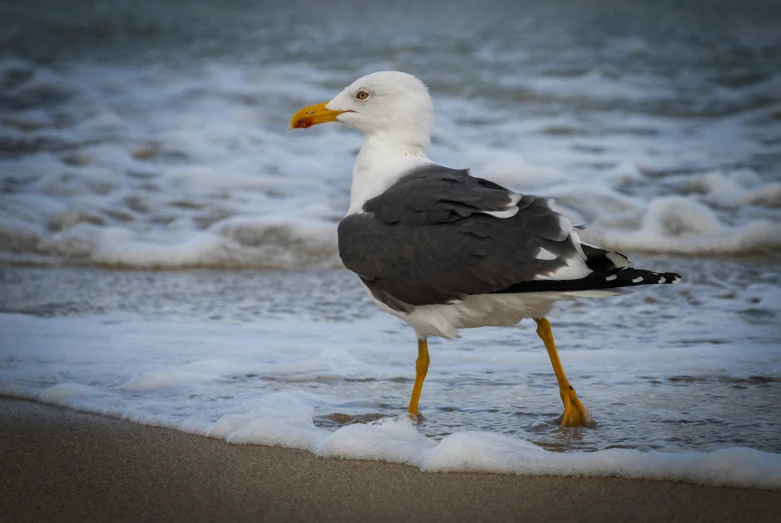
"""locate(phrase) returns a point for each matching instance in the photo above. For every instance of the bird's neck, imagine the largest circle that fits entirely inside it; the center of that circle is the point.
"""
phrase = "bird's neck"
(383, 159)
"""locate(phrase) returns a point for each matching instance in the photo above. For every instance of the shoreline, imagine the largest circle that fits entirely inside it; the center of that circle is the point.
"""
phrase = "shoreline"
(66, 465)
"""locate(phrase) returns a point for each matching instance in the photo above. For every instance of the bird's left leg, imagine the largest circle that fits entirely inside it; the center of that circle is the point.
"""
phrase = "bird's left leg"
(421, 369)
(575, 414)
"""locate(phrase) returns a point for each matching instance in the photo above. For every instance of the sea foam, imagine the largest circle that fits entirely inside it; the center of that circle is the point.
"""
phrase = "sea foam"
(296, 383)
(147, 173)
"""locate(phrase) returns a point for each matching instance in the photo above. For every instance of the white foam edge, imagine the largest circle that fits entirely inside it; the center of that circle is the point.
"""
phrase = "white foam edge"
(287, 420)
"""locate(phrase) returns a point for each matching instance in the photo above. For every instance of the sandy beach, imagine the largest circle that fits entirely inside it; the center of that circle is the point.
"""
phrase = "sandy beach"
(64, 465)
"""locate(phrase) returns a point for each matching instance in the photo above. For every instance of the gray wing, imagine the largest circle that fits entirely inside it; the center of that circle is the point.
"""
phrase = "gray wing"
(439, 235)
(430, 239)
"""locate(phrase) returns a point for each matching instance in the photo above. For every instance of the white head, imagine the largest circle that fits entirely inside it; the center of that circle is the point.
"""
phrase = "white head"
(388, 104)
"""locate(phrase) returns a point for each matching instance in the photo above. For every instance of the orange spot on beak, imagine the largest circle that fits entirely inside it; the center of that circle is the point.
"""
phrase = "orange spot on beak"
(306, 123)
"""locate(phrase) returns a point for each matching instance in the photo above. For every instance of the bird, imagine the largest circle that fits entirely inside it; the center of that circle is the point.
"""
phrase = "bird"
(444, 250)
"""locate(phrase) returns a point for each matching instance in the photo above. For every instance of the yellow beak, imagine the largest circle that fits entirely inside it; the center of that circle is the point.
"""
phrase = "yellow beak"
(313, 115)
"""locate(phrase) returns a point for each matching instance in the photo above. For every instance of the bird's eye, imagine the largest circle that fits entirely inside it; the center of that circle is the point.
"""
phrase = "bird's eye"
(362, 95)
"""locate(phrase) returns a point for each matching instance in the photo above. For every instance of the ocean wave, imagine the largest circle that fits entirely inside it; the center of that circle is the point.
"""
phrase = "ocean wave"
(124, 167)
(669, 225)
(241, 242)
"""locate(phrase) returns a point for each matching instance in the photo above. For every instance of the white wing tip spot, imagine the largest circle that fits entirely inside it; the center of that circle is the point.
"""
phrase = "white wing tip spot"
(611, 277)
(662, 279)
(677, 279)
(638, 279)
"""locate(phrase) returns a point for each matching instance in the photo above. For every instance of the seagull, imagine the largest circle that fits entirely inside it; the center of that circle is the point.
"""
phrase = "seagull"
(444, 250)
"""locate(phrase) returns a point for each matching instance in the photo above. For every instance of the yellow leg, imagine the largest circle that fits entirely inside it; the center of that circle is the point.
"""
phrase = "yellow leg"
(421, 369)
(575, 414)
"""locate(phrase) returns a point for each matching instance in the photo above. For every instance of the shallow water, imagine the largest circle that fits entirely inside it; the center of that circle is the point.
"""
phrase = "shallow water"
(153, 135)
(691, 367)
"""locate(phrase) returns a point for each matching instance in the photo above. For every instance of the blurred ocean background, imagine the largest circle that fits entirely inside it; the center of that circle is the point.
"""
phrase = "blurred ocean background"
(168, 247)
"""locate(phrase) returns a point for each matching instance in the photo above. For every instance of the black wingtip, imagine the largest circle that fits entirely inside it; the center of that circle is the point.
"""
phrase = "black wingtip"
(628, 277)
(631, 276)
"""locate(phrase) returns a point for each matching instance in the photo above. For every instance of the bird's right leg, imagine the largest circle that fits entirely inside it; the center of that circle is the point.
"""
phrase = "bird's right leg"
(575, 414)
(421, 369)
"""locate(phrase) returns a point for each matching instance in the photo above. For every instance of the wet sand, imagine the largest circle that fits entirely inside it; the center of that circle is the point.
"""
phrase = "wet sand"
(63, 465)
